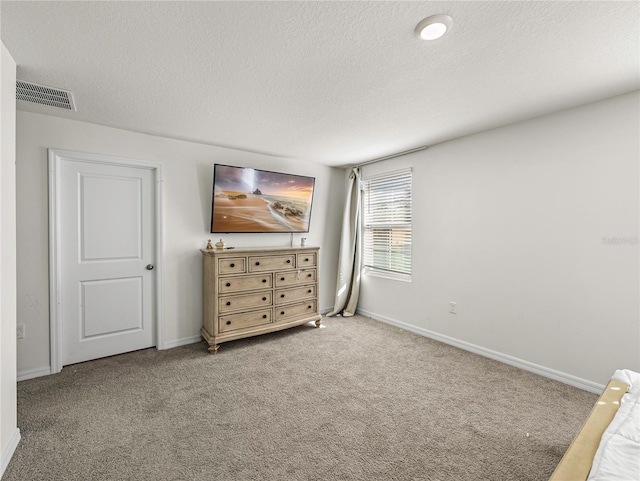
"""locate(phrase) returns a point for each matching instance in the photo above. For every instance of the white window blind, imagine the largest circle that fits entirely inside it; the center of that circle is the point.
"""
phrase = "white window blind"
(387, 224)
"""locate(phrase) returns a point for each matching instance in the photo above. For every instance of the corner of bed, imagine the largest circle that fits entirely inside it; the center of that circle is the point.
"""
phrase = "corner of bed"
(578, 460)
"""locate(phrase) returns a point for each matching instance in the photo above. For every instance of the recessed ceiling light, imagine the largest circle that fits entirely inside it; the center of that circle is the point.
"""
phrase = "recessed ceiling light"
(433, 27)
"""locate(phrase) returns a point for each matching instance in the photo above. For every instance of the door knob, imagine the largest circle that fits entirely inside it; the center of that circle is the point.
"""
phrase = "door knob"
(149, 267)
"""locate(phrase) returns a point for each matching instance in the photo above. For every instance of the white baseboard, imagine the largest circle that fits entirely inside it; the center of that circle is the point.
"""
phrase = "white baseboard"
(7, 452)
(31, 373)
(180, 342)
(496, 356)
(46, 370)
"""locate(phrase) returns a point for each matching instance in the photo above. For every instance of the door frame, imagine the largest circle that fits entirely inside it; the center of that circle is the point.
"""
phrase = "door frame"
(56, 157)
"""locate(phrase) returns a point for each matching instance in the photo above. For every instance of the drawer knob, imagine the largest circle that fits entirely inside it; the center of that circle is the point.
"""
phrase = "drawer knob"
(264, 280)
(233, 265)
(288, 261)
(228, 284)
(308, 275)
(264, 316)
(228, 303)
(309, 291)
(309, 306)
(257, 263)
(281, 295)
(264, 298)
(282, 278)
(228, 323)
(306, 260)
(282, 313)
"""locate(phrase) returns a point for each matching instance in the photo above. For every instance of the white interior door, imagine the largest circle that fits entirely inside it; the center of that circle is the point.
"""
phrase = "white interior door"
(106, 245)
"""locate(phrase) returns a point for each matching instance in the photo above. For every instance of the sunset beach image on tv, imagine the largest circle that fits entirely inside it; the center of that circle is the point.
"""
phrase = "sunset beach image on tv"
(252, 200)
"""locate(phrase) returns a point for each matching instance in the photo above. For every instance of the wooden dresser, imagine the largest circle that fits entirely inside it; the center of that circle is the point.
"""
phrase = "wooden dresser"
(248, 292)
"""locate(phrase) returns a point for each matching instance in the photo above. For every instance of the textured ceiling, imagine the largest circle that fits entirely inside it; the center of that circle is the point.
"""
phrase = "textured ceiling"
(329, 82)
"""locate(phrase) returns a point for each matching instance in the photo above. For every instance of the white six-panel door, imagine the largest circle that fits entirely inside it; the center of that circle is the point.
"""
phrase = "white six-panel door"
(106, 252)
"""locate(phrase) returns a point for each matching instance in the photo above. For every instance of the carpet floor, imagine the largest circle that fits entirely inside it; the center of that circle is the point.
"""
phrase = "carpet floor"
(354, 400)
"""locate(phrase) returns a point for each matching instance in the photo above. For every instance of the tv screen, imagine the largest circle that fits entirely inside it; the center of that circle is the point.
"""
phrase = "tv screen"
(252, 200)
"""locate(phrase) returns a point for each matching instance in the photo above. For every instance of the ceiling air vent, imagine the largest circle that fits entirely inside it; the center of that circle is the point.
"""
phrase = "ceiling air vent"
(41, 94)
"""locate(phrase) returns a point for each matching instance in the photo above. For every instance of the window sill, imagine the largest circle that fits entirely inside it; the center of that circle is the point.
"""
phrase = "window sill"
(396, 276)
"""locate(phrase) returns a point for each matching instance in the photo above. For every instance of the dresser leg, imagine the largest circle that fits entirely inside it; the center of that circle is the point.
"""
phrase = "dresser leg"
(213, 348)
(318, 322)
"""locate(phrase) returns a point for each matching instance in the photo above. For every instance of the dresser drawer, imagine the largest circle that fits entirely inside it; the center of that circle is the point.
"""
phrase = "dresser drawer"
(296, 310)
(285, 296)
(291, 278)
(246, 301)
(307, 260)
(270, 263)
(244, 283)
(234, 322)
(232, 266)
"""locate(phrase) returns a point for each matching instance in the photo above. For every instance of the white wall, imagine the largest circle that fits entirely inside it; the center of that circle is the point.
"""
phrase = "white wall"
(513, 225)
(9, 432)
(188, 173)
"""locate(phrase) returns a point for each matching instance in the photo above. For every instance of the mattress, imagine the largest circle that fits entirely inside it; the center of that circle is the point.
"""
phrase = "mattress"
(618, 455)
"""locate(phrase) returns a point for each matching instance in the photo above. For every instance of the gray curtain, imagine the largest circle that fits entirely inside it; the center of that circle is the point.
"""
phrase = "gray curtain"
(350, 262)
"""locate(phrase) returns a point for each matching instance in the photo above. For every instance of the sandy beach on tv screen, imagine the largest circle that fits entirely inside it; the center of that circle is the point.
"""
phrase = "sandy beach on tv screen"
(248, 214)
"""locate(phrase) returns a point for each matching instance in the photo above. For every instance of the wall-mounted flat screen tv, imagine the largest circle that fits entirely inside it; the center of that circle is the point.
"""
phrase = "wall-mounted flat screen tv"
(252, 200)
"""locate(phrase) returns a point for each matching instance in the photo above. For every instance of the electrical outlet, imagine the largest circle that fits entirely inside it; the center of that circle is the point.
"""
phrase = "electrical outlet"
(452, 307)
(20, 331)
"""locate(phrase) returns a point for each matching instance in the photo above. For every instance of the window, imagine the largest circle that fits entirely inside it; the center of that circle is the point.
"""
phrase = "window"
(387, 225)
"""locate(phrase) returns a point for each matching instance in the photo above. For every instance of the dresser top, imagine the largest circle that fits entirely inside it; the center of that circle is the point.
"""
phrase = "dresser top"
(256, 250)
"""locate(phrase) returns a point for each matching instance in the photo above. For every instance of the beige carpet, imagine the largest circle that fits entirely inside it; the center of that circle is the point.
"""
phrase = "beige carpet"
(356, 400)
